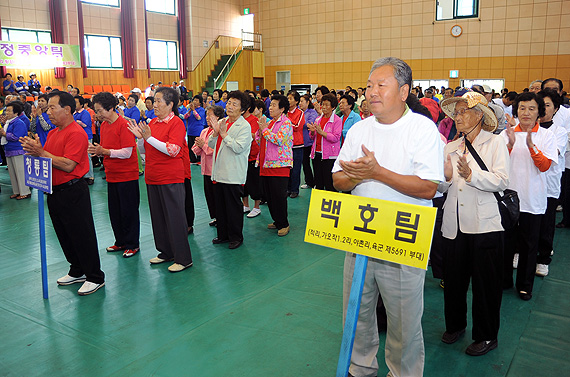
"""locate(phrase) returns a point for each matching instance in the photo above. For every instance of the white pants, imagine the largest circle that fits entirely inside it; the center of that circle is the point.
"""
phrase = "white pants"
(402, 290)
(17, 176)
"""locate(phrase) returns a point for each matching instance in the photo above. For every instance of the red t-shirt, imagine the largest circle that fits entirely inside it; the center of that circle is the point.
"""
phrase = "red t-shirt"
(219, 140)
(161, 169)
(254, 151)
(116, 135)
(270, 172)
(93, 120)
(71, 142)
(297, 118)
(319, 147)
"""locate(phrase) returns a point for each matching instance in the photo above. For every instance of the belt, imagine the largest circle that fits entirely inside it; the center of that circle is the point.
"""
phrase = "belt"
(65, 185)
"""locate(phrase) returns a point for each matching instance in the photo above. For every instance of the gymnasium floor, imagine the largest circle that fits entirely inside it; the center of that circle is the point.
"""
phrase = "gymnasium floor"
(270, 308)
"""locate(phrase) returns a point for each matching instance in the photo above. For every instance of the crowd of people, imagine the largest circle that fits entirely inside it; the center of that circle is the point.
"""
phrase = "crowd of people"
(457, 149)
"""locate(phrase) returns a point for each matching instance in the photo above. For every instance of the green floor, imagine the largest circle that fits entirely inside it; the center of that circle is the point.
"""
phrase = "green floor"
(270, 308)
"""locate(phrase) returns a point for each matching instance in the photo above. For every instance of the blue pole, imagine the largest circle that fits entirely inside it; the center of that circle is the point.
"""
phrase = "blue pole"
(352, 315)
(43, 242)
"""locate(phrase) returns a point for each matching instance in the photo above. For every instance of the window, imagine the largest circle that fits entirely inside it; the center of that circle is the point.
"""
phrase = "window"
(161, 6)
(26, 36)
(452, 9)
(424, 84)
(109, 3)
(103, 52)
(496, 84)
(163, 54)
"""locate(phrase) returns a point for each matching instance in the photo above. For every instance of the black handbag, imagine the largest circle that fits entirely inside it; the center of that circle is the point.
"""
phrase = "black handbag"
(509, 203)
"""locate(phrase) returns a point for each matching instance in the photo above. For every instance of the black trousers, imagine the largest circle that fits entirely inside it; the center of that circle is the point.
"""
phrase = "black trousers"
(522, 239)
(252, 185)
(189, 202)
(565, 197)
(307, 170)
(275, 191)
(193, 157)
(229, 211)
(169, 226)
(479, 258)
(209, 194)
(437, 252)
(123, 200)
(323, 173)
(546, 236)
(72, 219)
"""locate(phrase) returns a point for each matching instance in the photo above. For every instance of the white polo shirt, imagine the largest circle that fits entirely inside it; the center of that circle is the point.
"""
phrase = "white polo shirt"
(524, 176)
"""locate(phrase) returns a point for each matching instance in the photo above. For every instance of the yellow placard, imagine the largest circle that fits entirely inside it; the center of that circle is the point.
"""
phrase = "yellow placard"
(391, 231)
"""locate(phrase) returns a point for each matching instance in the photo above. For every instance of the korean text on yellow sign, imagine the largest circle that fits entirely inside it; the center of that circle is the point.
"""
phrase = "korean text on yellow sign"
(39, 55)
(391, 231)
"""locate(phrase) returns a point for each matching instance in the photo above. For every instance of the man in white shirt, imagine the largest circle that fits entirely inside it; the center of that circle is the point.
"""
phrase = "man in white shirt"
(394, 155)
(506, 102)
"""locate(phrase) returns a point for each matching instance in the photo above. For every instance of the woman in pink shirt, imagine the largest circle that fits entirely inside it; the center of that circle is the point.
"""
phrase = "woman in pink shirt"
(206, 154)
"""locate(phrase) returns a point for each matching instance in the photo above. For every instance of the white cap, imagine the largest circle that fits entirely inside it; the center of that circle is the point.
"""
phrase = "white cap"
(136, 90)
(487, 89)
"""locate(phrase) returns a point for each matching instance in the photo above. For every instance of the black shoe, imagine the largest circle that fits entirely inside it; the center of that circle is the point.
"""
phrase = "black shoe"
(481, 348)
(525, 295)
(141, 173)
(217, 241)
(190, 229)
(561, 225)
(235, 244)
(452, 337)
(213, 223)
(90, 181)
(294, 195)
(104, 177)
(442, 284)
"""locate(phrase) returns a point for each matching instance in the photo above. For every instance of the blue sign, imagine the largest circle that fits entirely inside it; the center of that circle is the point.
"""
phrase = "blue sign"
(38, 173)
(453, 74)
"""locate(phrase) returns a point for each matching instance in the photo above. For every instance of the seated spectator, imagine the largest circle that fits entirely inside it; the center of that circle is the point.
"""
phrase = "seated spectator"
(21, 86)
(34, 85)
(8, 84)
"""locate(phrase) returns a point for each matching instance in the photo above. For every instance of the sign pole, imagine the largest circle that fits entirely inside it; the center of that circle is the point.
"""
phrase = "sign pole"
(352, 315)
(43, 243)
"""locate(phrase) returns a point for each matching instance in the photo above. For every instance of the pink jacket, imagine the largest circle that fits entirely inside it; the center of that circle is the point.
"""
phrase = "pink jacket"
(206, 153)
(330, 144)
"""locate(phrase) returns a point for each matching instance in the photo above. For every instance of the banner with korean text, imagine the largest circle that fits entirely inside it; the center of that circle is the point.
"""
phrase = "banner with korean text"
(39, 55)
(391, 231)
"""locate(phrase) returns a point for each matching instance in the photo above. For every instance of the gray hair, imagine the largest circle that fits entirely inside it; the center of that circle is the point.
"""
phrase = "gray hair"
(402, 71)
(534, 82)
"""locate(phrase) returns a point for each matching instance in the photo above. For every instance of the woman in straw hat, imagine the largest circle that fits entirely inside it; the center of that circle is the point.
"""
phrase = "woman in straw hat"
(472, 230)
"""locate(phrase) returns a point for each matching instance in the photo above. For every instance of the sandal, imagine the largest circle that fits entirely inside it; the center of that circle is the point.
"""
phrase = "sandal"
(24, 197)
(14, 196)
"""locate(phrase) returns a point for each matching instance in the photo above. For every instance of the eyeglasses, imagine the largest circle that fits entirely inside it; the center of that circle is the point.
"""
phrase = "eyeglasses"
(459, 112)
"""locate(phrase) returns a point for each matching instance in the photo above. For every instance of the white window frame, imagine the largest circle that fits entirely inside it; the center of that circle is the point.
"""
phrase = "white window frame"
(45, 33)
(159, 6)
(455, 9)
(111, 39)
(104, 3)
(174, 57)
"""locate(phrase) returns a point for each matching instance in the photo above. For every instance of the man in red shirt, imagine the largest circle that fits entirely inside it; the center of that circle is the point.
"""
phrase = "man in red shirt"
(118, 149)
(70, 205)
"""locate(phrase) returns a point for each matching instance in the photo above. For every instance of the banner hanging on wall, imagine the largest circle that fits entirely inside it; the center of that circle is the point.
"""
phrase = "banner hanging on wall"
(39, 55)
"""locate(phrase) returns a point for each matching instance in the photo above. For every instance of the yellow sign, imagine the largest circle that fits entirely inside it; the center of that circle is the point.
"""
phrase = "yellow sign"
(391, 231)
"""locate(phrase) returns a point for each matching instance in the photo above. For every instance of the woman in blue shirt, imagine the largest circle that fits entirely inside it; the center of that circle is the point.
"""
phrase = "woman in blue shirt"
(21, 86)
(8, 84)
(83, 118)
(132, 111)
(14, 130)
(195, 123)
(149, 113)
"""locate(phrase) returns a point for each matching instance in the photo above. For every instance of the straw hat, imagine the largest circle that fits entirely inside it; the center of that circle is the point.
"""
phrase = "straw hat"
(473, 99)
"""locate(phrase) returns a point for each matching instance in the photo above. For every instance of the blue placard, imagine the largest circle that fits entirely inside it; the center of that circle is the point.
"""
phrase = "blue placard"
(38, 173)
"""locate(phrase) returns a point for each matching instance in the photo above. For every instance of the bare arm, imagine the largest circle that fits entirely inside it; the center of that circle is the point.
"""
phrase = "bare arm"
(34, 148)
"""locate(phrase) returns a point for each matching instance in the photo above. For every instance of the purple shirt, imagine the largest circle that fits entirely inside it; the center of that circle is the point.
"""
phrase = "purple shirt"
(310, 116)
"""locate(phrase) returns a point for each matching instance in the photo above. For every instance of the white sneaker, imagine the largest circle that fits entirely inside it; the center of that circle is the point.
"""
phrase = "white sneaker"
(88, 287)
(246, 209)
(305, 186)
(551, 252)
(68, 280)
(516, 260)
(559, 208)
(541, 270)
(254, 212)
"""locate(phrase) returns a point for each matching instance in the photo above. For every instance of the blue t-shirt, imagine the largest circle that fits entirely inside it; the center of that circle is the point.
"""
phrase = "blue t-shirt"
(42, 134)
(20, 86)
(26, 120)
(133, 113)
(149, 114)
(10, 86)
(85, 117)
(195, 126)
(220, 103)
